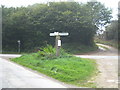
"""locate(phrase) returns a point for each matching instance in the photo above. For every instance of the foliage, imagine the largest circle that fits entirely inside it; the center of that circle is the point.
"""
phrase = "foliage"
(46, 50)
(34, 23)
(100, 14)
(72, 70)
(107, 42)
(79, 48)
(49, 52)
(111, 32)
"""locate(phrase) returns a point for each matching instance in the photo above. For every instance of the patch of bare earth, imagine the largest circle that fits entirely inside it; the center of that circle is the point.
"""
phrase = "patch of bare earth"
(107, 60)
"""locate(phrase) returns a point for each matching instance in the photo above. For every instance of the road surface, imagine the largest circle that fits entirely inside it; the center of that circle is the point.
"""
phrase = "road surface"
(107, 60)
(16, 76)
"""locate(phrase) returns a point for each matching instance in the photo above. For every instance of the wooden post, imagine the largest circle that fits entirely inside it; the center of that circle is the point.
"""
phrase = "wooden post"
(18, 46)
(57, 47)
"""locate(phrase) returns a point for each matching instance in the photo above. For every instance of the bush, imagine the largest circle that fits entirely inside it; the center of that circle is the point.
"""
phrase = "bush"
(49, 52)
(79, 48)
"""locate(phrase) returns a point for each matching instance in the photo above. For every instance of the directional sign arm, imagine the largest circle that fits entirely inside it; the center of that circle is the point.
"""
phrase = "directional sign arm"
(59, 34)
(52, 34)
(63, 34)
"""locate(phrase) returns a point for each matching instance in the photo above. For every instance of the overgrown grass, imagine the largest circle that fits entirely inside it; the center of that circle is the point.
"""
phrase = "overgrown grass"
(76, 48)
(66, 68)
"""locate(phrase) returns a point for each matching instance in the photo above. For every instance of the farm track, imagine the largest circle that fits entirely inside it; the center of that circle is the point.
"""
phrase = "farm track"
(107, 61)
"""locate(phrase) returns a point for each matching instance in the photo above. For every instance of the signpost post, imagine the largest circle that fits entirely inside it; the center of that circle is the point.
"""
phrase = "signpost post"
(58, 41)
(18, 46)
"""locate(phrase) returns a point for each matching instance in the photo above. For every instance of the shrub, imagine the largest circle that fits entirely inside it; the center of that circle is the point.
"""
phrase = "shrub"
(49, 52)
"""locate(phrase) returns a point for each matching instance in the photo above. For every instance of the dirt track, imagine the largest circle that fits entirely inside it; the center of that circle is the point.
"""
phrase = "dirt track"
(107, 60)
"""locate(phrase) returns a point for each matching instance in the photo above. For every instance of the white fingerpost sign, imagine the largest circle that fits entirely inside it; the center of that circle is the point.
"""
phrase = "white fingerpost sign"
(58, 41)
(59, 34)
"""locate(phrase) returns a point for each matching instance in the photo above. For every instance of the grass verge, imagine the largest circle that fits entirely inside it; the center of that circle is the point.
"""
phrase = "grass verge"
(69, 69)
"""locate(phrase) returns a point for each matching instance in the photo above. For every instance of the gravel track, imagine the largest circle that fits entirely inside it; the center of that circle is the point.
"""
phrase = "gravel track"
(107, 60)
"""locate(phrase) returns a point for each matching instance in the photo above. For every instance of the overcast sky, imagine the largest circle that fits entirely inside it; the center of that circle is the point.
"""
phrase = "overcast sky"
(113, 4)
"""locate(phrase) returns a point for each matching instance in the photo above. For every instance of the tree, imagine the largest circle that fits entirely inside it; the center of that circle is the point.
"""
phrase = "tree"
(34, 23)
(111, 32)
(99, 13)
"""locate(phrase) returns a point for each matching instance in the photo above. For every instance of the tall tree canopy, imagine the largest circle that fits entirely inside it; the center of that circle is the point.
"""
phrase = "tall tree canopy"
(33, 24)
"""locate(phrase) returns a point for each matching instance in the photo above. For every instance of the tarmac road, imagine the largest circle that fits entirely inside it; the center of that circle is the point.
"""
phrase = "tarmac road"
(16, 76)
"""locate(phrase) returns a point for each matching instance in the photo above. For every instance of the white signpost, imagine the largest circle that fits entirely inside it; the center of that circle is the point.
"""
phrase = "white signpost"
(58, 41)
(59, 34)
